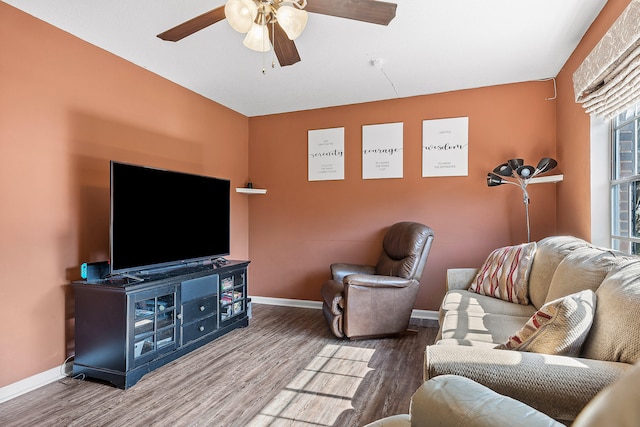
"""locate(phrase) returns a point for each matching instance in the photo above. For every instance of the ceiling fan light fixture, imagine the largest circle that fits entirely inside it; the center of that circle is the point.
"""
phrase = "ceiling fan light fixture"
(258, 38)
(241, 14)
(292, 20)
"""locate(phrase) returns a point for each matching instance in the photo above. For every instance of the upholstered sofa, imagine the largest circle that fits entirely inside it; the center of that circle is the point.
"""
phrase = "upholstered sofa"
(571, 331)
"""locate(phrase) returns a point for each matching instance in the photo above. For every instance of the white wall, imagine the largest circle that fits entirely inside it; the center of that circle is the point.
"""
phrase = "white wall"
(600, 177)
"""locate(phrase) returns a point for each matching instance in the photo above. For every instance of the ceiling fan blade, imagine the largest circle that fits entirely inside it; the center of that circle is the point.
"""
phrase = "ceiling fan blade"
(375, 12)
(193, 25)
(284, 48)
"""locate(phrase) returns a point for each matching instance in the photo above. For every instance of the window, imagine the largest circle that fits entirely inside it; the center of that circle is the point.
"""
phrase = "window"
(625, 181)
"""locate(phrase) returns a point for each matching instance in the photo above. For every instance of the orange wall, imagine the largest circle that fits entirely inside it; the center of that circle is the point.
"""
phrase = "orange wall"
(299, 227)
(66, 109)
(574, 195)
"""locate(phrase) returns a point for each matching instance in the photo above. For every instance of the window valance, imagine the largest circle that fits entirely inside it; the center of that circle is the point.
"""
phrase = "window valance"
(608, 80)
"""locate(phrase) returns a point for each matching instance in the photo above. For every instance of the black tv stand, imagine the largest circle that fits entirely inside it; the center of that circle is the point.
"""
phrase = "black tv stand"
(125, 328)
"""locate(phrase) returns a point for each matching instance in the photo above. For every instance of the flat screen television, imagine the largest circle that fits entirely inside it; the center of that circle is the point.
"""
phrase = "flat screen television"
(162, 218)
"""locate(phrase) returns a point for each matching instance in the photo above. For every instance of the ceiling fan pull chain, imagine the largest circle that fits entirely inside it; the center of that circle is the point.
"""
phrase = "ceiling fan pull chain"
(273, 37)
(264, 54)
(264, 60)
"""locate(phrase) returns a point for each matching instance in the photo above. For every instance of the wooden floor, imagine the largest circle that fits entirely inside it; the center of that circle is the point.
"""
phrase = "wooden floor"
(284, 369)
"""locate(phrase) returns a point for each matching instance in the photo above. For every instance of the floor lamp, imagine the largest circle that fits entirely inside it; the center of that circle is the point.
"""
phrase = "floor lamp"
(515, 172)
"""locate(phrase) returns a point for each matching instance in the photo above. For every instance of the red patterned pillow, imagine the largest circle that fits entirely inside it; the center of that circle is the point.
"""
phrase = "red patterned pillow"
(559, 327)
(505, 273)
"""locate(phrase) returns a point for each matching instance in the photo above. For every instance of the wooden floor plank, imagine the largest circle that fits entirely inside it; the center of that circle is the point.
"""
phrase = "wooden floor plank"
(284, 369)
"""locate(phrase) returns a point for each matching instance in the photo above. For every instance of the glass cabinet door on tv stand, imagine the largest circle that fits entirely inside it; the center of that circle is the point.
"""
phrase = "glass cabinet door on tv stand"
(233, 301)
(154, 326)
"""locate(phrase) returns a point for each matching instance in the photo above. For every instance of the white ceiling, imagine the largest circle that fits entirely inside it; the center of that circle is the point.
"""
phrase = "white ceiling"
(431, 46)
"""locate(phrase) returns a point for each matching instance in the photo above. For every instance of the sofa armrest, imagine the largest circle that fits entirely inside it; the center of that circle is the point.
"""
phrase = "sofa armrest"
(559, 386)
(460, 278)
(451, 400)
(377, 281)
(340, 270)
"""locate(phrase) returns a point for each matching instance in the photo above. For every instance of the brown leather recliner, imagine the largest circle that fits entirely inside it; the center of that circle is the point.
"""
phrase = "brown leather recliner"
(362, 301)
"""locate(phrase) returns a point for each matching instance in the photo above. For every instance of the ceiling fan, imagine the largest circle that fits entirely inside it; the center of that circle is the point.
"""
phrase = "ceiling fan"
(266, 24)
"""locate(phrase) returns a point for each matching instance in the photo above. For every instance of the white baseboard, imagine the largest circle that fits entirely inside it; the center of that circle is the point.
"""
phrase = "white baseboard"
(299, 303)
(425, 314)
(28, 384)
(54, 374)
(416, 314)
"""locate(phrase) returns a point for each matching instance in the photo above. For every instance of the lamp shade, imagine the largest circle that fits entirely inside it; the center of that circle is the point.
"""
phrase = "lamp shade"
(493, 180)
(258, 38)
(292, 20)
(546, 164)
(525, 172)
(240, 14)
(504, 170)
(515, 163)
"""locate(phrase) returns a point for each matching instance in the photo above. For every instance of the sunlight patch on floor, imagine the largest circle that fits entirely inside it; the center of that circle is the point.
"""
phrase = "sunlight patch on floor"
(321, 391)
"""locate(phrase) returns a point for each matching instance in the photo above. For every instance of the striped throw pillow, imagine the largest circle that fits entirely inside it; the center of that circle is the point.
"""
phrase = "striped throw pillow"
(505, 273)
(559, 327)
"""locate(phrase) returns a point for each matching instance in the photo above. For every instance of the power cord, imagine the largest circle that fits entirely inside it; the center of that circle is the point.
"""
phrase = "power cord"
(64, 365)
(65, 374)
(377, 63)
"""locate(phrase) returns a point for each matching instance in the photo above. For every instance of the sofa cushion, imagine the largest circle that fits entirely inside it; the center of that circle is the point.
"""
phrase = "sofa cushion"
(583, 268)
(559, 327)
(615, 335)
(476, 303)
(481, 327)
(505, 273)
(549, 253)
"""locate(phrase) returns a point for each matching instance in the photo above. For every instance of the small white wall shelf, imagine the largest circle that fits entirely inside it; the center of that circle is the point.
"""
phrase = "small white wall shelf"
(251, 190)
(546, 179)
